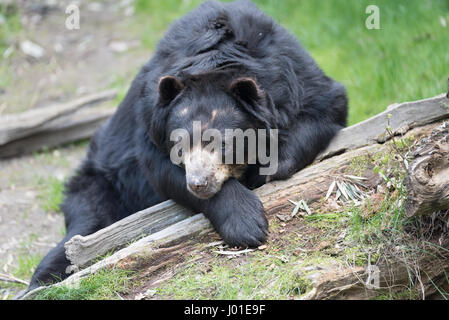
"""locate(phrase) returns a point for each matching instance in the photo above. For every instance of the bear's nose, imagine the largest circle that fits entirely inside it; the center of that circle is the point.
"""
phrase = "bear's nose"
(197, 184)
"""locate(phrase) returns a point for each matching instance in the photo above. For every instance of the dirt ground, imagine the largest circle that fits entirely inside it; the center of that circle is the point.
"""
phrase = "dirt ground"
(24, 224)
(103, 53)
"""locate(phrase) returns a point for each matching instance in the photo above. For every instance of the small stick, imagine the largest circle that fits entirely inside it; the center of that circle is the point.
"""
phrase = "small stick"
(233, 253)
(9, 278)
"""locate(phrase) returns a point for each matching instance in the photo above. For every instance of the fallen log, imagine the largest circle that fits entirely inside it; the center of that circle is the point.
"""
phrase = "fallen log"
(354, 283)
(82, 250)
(427, 180)
(310, 183)
(53, 125)
(399, 117)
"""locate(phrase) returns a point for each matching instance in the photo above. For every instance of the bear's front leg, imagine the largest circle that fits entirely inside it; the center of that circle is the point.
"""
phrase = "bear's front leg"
(235, 211)
(238, 215)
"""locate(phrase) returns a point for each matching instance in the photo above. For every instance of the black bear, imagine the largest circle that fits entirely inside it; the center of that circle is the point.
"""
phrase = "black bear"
(228, 66)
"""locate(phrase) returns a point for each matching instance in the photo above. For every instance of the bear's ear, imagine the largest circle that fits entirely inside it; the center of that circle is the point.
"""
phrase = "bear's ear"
(169, 87)
(246, 88)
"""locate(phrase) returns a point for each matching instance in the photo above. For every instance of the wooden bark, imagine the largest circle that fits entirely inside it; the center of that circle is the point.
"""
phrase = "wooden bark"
(351, 283)
(82, 250)
(310, 182)
(53, 125)
(427, 180)
(399, 117)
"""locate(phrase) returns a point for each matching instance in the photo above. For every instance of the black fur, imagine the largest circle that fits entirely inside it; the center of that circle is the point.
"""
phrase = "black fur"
(128, 168)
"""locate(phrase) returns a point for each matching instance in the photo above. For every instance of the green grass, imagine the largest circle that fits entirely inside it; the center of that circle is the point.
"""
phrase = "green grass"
(27, 263)
(370, 222)
(406, 294)
(407, 59)
(104, 285)
(388, 219)
(8, 31)
(52, 157)
(27, 260)
(264, 276)
(51, 193)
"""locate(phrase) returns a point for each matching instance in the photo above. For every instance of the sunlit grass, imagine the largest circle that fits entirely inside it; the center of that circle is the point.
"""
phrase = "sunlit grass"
(104, 285)
(51, 193)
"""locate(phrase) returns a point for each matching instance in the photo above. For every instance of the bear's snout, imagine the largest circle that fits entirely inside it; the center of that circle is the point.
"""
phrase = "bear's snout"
(202, 186)
(203, 177)
(197, 185)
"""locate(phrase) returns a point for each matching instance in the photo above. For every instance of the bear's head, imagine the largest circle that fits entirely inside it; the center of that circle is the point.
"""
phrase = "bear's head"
(210, 125)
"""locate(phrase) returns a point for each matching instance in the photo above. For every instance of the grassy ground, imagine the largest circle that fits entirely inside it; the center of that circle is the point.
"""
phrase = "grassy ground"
(407, 59)
(105, 285)
(31, 222)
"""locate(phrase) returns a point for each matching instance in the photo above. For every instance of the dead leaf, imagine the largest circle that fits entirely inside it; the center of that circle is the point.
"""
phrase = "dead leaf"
(301, 204)
(284, 218)
(331, 189)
